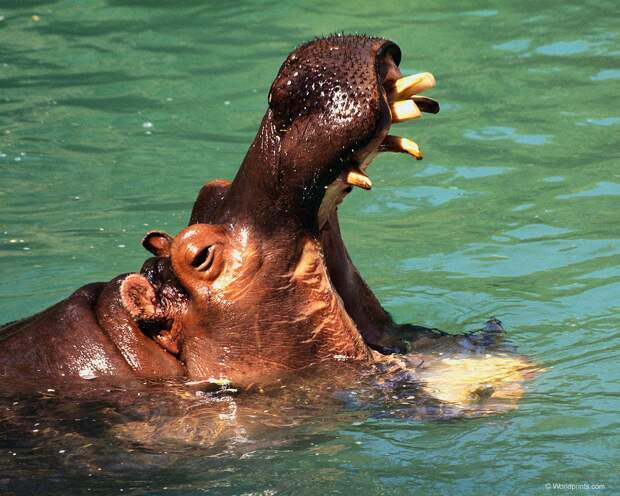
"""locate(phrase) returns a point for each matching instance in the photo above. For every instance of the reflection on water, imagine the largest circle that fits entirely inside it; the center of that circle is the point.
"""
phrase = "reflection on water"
(513, 212)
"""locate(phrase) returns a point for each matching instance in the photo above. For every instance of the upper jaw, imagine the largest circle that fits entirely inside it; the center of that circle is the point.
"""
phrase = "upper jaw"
(401, 96)
(330, 110)
(405, 104)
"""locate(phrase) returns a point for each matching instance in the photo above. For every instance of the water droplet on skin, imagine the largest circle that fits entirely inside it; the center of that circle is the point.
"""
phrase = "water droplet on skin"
(87, 374)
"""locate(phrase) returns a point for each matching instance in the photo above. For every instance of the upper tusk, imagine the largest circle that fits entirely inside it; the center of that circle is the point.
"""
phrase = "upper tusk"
(410, 85)
(401, 145)
(355, 177)
(404, 110)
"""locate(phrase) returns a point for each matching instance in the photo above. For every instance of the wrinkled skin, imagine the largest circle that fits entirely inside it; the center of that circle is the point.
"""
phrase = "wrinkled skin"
(260, 285)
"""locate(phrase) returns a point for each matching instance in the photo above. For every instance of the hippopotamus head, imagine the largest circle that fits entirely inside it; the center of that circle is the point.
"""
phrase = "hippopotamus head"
(259, 296)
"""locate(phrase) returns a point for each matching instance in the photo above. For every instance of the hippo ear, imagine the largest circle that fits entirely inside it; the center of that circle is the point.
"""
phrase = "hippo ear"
(158, 243)
(138, 297)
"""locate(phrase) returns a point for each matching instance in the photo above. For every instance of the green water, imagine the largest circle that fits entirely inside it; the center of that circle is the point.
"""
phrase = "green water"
(112, 114)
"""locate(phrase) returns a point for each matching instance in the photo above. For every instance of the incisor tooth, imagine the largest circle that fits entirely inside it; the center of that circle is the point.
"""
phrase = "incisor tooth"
(356, 177)
(409, 85)
(401, 145)
(404, 110)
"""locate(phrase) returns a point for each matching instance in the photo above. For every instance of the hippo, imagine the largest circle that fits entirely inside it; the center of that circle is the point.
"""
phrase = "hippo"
(259, 286)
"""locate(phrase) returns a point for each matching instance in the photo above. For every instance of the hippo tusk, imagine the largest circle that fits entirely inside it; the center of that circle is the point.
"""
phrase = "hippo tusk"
(407, 86)
(400, 145)
(355, 177)
(404, 110)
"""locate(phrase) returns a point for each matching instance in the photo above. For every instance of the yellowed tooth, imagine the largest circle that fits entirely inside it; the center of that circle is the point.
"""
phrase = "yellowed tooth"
(356, 177)
(411, 147)
(404, 110)
(401, 145)
(409, 85)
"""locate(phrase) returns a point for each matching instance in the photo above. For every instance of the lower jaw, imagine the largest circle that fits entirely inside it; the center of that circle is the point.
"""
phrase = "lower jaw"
(340, 188)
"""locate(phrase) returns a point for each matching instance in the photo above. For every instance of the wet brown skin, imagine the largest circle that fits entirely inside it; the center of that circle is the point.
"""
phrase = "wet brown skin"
(90, 334)
(341, 79)
(261, 285)
(372, 320)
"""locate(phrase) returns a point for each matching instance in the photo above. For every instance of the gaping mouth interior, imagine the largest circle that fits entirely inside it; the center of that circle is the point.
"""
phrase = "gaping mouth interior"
(401, 93)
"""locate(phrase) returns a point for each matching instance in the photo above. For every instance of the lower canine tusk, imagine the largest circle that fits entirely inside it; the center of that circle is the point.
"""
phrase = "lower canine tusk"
(356, 177)
(404, 110)
(401, 145)
(409, 85)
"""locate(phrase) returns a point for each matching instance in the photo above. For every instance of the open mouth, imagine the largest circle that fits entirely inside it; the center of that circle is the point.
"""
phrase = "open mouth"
(405, 103)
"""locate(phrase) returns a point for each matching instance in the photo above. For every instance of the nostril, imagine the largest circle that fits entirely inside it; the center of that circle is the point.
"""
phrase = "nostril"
(204, 259)
(389, 72)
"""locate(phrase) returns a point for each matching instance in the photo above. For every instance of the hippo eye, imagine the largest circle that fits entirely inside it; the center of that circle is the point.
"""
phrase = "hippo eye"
(204, 259)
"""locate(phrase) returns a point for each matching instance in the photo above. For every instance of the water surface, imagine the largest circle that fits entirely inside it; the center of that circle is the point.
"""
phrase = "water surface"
(113, 113)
